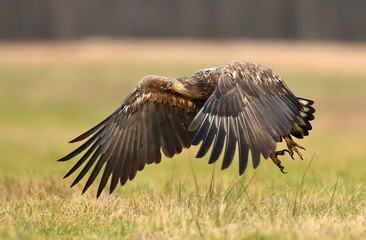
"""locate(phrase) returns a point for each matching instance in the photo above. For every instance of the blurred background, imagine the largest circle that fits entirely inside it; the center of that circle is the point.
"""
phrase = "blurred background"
(65, 65)
(224, 19)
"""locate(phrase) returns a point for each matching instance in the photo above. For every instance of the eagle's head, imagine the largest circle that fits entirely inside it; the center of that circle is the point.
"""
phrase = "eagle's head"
(199, 86)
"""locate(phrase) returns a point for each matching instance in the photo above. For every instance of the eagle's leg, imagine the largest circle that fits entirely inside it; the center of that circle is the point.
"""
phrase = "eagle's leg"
(292, 146)
(273, 156)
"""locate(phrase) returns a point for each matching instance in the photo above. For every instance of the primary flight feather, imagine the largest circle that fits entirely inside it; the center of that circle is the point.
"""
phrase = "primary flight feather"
(241, 105)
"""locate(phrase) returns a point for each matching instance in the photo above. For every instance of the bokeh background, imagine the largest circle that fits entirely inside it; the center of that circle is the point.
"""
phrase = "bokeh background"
(66, 65)
(225, 19)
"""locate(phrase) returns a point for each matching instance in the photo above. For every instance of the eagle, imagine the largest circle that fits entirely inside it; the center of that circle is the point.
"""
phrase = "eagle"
(241, 105)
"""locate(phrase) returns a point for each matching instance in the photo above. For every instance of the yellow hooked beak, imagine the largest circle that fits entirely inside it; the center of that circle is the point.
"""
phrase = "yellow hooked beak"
(175, 85)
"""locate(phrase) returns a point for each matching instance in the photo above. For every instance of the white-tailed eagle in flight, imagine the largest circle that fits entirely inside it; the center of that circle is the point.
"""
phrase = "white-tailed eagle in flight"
(241, 105)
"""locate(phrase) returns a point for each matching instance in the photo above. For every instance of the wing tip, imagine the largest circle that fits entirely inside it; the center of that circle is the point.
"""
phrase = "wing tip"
(77, 139)
(73, 184)
(62, 159)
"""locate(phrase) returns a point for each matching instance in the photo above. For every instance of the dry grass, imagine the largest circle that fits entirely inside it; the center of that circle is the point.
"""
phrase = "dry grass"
(50, 92)
(44, 208)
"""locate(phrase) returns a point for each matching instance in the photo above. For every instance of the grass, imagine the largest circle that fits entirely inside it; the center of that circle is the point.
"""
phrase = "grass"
(49, 100)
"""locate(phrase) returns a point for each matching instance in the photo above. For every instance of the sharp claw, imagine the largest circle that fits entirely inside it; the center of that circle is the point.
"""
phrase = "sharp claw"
(289, 153)
(281, 168)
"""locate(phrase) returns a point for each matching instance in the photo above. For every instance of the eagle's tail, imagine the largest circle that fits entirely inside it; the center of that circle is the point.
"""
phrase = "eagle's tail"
(302, 126)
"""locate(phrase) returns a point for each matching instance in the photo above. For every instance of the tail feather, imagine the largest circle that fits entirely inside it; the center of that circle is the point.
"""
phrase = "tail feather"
(302, 126)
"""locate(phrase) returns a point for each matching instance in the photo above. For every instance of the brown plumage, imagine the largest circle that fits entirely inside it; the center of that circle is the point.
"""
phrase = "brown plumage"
(247, 104)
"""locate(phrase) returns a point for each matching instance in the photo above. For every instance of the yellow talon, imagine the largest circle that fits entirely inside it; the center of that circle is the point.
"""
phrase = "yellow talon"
(292, 146)
(273, 156)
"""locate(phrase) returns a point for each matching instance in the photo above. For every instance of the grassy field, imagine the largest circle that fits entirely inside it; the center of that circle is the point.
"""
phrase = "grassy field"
(51, 92)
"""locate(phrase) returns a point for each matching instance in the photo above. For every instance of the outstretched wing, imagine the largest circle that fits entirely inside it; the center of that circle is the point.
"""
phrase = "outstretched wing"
(251, 106)
(150, 118)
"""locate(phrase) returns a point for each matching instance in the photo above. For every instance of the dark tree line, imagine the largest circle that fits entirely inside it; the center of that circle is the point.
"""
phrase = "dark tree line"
(277, 19)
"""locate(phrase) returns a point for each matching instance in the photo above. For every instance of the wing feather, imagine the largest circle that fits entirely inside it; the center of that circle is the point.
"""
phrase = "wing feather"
(155, 134)
(219, 141)
(230, 144)
(117, 166)
(243, 148)
(125, 171)
(133, 160)
(104, 157)
(83, 159)
(111, 163)
(150, 119)
(208, 139)
(170, 141)
(252, 106)
(201, 131)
